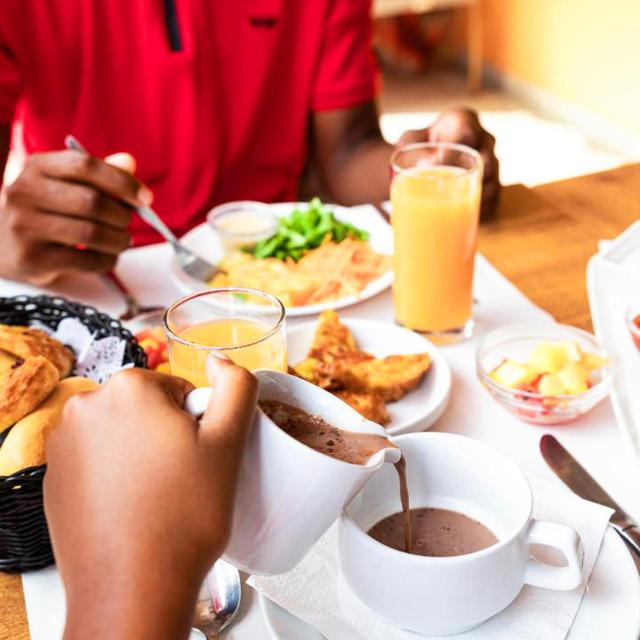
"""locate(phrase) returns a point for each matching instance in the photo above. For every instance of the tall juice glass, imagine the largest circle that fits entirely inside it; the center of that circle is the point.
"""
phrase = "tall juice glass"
(247, 325)
(435, 200)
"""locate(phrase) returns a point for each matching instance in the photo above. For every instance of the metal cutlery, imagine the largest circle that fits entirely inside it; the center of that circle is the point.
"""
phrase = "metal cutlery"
(188, 261)
(219, 599)
(569, 470)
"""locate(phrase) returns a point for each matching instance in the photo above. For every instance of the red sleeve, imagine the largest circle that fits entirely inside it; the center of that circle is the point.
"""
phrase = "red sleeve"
(10, 77)
(346, 72)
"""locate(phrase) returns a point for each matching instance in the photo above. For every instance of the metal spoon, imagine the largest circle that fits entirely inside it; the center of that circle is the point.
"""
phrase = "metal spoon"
(219, 600)
(188, 261)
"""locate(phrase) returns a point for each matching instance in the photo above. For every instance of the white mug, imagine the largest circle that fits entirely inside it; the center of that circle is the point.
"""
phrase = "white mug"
(447, 595)
(289, 494)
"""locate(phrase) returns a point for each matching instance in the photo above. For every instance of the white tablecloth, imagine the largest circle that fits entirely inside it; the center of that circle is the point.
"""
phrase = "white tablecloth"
(594, 439)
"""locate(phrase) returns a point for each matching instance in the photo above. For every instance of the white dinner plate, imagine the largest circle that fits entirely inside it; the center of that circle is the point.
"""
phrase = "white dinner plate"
(203, 241)
(420, 408)
(609, 609)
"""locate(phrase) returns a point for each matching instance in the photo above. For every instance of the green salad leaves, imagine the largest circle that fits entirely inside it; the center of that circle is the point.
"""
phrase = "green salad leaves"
(305, 229)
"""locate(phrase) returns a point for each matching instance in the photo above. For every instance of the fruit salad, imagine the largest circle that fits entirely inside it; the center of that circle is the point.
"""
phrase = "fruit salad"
(154, 343)
(553, 369)
(634, 328)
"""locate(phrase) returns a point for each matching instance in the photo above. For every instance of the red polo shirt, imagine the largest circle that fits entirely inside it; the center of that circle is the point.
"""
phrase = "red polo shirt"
(212, 97)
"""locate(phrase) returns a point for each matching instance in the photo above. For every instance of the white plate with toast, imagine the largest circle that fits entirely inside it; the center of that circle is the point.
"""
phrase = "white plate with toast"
(420, 407)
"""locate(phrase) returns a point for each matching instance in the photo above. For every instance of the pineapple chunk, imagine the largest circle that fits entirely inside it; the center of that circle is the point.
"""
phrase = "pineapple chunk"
(574, 377)
(551, 385)
(512, 374)
(548, 357)
(592, 361)
(587, 359)
(574, 352)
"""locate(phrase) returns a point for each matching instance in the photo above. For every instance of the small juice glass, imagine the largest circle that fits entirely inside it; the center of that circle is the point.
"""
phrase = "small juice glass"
(435, 200)
(247, 325)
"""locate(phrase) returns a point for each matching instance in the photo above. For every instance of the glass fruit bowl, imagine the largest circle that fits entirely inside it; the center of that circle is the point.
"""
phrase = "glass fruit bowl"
(632, 318)
(535, 400)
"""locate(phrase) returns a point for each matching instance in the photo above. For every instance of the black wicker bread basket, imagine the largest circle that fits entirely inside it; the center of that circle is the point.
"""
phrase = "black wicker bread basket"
(24, 537)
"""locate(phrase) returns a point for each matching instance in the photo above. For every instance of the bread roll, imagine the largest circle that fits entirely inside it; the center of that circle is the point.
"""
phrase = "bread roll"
(24, 444)
(23, 388)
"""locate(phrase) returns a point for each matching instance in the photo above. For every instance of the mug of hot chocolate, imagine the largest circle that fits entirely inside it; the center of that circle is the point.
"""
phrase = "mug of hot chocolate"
(461, 552)
(307, 456)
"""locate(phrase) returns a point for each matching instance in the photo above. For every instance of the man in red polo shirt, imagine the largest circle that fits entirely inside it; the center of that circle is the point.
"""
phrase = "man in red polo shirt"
(216, 101)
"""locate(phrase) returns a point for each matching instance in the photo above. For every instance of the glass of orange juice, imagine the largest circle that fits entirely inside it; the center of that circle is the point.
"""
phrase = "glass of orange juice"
(435, 200)
(247, 325)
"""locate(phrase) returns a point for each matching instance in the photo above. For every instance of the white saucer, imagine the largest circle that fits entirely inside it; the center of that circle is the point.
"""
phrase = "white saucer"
(420, 408)
(610, 608)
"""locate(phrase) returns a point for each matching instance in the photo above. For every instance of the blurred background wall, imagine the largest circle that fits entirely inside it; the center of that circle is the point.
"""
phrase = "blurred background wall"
(586, 51)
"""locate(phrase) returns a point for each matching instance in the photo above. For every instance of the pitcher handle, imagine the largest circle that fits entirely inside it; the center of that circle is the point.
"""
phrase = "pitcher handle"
(565, 540)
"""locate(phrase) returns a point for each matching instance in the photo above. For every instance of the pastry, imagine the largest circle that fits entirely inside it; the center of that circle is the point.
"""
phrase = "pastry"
(6, 361)
(25, 341)
(24, 445)
(24, 386)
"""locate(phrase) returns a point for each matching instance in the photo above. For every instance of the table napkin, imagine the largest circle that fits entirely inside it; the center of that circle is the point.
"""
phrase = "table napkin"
(613, 278)
(315, 591)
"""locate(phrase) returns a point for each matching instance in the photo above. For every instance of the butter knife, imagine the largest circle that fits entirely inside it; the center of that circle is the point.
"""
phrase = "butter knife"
(569, 470)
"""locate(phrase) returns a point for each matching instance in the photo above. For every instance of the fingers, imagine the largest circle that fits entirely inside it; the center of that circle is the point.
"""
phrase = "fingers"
(150, 386)
(122, 160)
(41, 263)
(78, 166)
(70, 231)
(491, 177)
(233, 402)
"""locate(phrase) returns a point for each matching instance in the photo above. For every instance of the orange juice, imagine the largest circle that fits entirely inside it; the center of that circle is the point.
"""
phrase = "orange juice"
(188, 361)
(435, 211)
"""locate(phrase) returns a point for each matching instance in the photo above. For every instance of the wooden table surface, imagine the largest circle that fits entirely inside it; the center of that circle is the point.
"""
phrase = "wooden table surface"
(540, 239)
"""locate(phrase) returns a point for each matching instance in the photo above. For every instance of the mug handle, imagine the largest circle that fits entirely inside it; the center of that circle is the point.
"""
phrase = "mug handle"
(565, 540)
(197, 401)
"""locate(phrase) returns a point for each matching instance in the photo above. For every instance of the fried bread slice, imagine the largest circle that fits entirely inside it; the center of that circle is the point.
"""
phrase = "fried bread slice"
(25, 342)
(369, 405)
(25, 386)
(332, 339)
(390, 378)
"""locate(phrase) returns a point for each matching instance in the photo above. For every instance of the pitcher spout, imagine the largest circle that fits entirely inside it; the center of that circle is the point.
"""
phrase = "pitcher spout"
(389, 454)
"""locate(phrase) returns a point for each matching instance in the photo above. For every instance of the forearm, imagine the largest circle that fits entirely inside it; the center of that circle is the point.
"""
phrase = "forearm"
(363, 173)
(350, 156)
(154, 602)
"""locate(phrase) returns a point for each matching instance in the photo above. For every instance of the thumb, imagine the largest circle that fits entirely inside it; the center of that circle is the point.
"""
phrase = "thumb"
(233, 401)
(122, 160)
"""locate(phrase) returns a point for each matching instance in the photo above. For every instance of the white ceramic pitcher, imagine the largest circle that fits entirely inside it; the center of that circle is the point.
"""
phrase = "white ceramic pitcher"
(289, 494)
